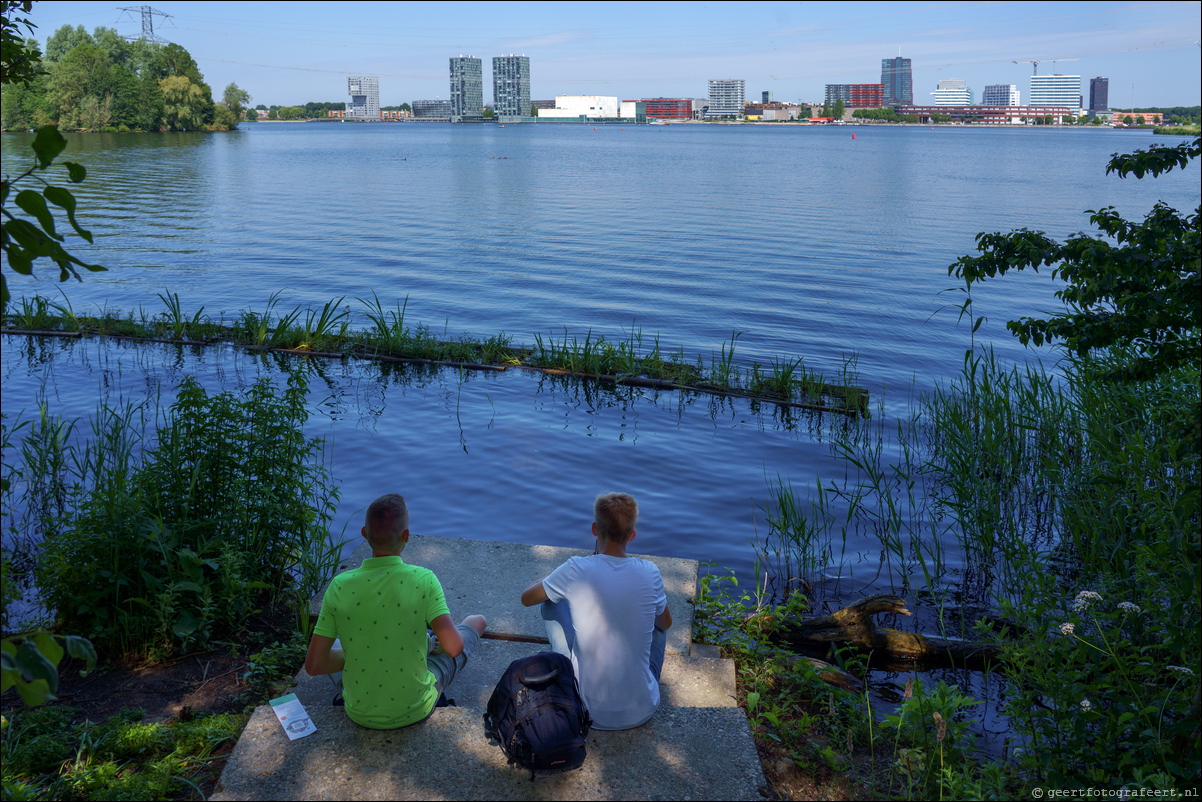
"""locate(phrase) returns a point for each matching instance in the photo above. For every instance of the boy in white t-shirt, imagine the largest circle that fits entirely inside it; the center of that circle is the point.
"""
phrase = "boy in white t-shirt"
(609, 614)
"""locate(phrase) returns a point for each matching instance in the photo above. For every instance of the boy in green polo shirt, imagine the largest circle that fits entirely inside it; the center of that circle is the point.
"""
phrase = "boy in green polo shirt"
(379, 612)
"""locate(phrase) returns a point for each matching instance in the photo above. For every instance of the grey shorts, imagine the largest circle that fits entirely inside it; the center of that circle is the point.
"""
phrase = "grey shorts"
(444, 667)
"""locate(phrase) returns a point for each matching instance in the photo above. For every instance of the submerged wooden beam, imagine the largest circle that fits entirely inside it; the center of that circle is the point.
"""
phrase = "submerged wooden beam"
(854, 625)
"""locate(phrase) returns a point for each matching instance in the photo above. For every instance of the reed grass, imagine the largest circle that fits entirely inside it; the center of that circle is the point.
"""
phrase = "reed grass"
(1072, 504)
(328, 329)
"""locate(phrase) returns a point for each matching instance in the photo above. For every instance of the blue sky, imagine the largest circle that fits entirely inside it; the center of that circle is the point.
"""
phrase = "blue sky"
(291, 52)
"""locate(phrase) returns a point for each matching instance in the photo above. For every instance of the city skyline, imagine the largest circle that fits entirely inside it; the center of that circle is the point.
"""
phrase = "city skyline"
(667, 49)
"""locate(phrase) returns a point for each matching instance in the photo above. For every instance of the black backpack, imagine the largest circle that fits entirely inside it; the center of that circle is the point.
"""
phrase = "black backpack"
(536, 714)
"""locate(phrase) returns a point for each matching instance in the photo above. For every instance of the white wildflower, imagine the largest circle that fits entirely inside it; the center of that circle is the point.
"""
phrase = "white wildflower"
(1086, 705)
(1085, 599)
(1066, 629)
(1129, 608)
(1188, 672)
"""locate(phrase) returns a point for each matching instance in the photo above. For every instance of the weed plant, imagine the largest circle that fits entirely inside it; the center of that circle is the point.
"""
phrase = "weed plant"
(45, 756)
(168, 543)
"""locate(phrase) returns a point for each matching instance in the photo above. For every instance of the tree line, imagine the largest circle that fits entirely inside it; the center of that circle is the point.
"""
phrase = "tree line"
(103, 82)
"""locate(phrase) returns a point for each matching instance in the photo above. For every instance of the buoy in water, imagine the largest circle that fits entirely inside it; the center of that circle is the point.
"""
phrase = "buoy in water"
(853, 136)
(594, 128)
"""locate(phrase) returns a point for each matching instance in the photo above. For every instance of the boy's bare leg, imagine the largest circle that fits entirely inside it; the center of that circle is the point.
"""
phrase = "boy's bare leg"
(476, 622)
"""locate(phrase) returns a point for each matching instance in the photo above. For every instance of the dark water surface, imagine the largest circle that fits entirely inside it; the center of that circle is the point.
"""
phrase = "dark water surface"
(814, 244)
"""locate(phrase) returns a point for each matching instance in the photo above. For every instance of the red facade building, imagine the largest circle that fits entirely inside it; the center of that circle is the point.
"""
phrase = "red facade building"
(668, 108)
(866, 96)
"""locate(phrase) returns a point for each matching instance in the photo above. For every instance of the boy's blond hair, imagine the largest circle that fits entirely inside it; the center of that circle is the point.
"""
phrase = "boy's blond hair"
(386, 520)
(615, 515)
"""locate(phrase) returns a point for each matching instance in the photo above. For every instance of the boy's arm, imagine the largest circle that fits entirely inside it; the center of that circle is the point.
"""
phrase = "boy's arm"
(664, 620)
(448, 635)
(535, 594)
(323, 658)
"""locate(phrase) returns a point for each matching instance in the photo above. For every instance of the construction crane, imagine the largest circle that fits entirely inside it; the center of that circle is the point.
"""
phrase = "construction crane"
(1036, 62)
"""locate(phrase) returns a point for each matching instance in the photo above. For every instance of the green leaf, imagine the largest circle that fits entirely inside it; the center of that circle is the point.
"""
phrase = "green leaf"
(81, 649)
(192, 586)
(48, 144)
(49, 647)
(61, 197)
(35, 206)
(34, 693)
(33, 665)
(77, 172)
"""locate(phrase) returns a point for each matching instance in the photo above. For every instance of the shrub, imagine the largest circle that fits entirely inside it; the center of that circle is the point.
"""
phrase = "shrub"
(230, 506)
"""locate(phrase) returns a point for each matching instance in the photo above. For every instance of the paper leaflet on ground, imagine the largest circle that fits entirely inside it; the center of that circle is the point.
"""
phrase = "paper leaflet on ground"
(291, 713)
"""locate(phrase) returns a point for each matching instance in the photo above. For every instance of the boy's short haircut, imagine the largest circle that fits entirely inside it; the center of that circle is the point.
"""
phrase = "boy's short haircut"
(386, 520)
(615, 515)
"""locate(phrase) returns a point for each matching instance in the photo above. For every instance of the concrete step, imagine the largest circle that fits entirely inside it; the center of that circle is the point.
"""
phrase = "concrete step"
(681, 753)
(486, 577)
(685, 681)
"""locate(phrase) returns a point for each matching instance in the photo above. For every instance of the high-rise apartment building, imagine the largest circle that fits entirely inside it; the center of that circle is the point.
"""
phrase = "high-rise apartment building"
(365, 98)
(726, 97)
(767, 97)
(511, 88)
(952, 93)
(1000, 95)
(898, 78)
(467, 90)
(1055, 90)
(1099, 94)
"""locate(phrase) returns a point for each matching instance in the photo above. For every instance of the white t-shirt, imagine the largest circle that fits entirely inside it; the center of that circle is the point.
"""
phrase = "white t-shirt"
(614, 602)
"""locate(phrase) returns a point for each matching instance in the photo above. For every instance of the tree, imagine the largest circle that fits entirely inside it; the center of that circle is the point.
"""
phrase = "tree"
(533, 110)
(236, 99)
(839, 109)
(406, 107)
(273, 113)
(488, 113)
(18, 58)
(1127, 120)
(183, 103)
(1143, 293)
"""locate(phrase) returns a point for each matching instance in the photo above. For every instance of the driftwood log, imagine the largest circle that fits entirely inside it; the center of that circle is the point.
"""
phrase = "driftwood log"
(854, 625)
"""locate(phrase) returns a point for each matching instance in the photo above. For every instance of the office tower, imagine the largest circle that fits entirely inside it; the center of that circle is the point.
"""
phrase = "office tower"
(467, 90)
(898, 78)
(1056, 90)
(767, 97)
(1099, 94)
(511, 88)
(365, 98)
(952, 93)
(1000, 95)
(726, 97)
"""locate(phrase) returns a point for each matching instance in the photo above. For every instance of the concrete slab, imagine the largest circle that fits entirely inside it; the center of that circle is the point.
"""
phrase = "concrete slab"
(685, 681)
(682, 753)
(486, 577)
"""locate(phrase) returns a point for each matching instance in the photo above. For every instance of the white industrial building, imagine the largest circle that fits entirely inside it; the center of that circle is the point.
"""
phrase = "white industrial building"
(953, 92)
(1055, 90)
(582, 105)
(1000, 95)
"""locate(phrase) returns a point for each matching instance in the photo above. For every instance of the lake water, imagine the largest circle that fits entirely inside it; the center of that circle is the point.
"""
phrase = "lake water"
(814, 243)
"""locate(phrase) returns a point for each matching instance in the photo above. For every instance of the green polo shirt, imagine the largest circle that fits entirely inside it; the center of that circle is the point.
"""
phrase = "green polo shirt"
(380, 611)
